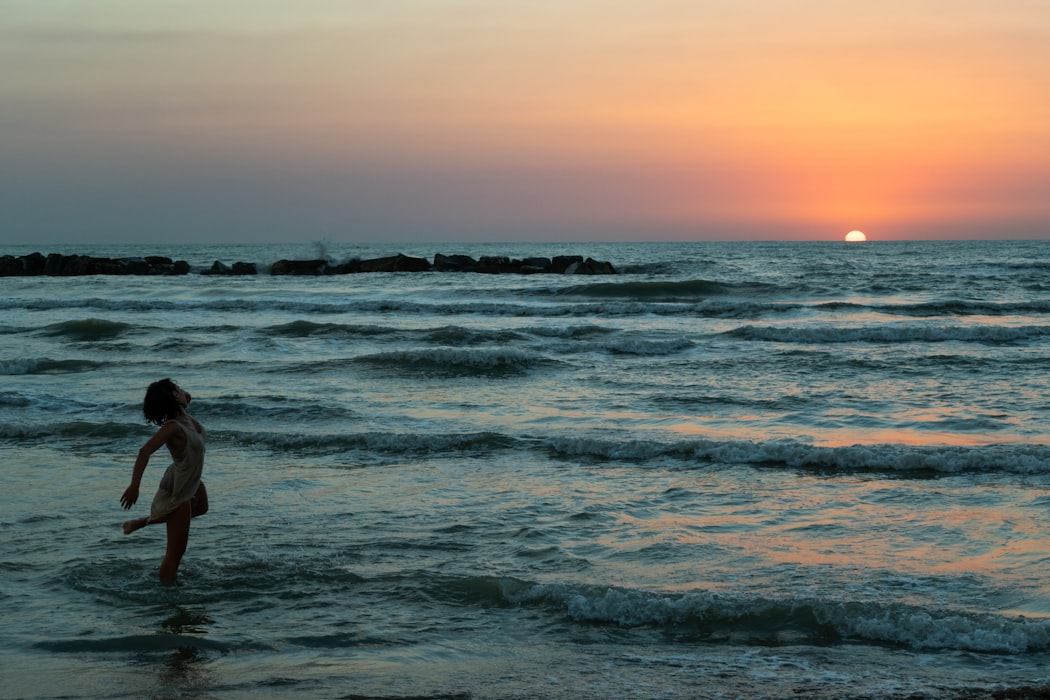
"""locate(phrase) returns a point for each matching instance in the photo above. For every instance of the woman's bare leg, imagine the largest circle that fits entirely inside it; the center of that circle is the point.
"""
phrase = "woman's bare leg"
(178, 524)
(198, 505)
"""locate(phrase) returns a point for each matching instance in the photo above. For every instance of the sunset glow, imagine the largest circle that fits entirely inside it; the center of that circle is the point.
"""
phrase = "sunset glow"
(520, 120)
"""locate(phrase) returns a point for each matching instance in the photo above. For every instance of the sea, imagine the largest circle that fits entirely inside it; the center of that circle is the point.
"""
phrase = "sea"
(732, 470)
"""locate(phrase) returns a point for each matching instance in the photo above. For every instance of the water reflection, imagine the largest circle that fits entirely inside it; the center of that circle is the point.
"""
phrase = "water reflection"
(186, 664)
(186, 621)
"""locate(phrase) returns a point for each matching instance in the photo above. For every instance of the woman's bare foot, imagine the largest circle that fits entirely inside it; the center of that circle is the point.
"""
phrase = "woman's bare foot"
(131, 525)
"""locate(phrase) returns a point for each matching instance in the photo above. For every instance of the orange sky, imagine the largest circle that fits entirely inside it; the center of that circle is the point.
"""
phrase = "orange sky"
(500, 120)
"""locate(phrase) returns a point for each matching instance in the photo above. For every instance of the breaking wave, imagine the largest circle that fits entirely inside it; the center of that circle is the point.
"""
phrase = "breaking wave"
(892, 333)
(736, 618)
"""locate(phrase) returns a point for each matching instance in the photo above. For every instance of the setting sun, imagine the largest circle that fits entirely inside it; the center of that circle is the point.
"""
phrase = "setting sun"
(855, 236)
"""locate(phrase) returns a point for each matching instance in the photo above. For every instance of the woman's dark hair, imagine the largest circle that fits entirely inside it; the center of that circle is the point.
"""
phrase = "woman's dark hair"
(159, 405)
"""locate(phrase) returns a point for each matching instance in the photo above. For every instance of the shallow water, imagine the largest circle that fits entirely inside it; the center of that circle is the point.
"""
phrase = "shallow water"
(733, 470)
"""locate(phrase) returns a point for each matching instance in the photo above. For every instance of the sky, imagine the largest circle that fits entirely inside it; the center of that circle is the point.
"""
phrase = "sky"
(522, 120)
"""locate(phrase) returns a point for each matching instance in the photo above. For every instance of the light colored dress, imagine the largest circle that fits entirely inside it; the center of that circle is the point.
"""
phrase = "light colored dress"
(182, 479)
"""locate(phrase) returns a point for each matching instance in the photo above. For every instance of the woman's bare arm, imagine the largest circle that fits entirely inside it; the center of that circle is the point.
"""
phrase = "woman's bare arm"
(166, 434)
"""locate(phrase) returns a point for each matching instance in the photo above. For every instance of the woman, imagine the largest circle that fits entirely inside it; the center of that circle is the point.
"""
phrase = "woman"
(181, 495)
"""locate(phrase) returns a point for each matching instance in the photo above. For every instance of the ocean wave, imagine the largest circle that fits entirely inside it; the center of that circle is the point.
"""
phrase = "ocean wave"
(697, 299)
(549, 307)
(911, 460)
(708, 615)
(46, 365)
(86, 330)
(66, 430)
(891, 333)
(185, 305)
(615, 342)
(307, 329)
(148, 643)
(459, 335)
(577, 332)
(1037, 265)
(634, 345)
(14, 399)
(891, 458)
(58, 402)
(391, 444)
(273, 408)
(452, 335)
(700, 615)
(694, 402)
(524, 309)
(456, 362)
(915, 461)
(667, 291)
(961, 307)
(683, 291)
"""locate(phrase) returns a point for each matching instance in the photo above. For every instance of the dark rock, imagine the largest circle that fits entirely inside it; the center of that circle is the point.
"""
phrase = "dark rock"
(493, 264)
(22, 265)
(377, 264)
(53, 266)
(454, 263)
(560, 264)
(394, 263)
(34, 263)
(494, 261)
(543, 264)
(218, 268)
(57, 264)
(74, 265)
(298, 267)
(105, 266)
(10, 266)
(136, 266)
(590, 266)
(344, 268)
(406, 263)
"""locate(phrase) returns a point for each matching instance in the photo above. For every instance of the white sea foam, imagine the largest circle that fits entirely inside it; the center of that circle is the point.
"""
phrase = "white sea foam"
(1015, 458)
(710, 614)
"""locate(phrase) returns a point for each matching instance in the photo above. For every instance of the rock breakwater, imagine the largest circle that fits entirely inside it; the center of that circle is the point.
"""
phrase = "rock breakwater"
(59, 265)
